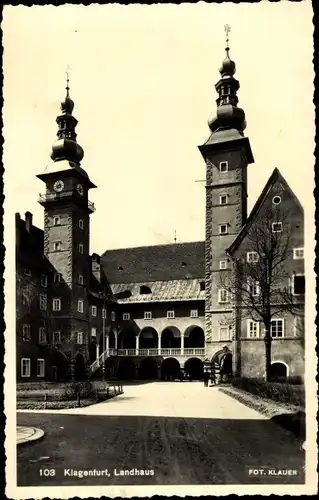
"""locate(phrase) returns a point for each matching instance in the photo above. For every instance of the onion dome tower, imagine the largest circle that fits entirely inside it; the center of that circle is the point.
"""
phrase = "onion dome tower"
(66, 147)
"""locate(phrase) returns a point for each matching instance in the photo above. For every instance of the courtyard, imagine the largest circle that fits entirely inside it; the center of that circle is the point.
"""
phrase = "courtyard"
(184, 432)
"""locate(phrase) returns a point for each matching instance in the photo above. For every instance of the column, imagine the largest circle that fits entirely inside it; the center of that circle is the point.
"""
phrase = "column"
(159, 344)
(98, 353)
(182, 344)
(116, 339)
(107, 342)
(137, 344)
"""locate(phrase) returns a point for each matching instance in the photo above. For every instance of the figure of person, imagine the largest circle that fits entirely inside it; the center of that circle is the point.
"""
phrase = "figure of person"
(213, 375)
(206, 378)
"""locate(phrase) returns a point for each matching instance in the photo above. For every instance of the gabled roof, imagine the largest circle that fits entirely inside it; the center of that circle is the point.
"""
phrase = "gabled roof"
(275, 177)
(177, 261)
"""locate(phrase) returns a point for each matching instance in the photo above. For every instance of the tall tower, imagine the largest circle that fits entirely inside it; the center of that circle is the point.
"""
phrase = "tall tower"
(67, 212)
(226, 153)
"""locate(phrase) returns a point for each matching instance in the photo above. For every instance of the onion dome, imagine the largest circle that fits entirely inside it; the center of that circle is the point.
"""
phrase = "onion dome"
(66, 147)
(228, 66)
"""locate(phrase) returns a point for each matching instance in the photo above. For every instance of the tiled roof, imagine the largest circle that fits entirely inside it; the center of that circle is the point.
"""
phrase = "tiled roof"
(177, 261)
(162, 291)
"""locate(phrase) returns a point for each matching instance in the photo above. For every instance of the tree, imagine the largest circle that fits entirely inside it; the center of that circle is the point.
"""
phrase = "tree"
(260, 279)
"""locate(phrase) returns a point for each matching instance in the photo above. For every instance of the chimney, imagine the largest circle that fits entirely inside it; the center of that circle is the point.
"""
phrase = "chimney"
(28, 221)
(96, 266)
(18, 218)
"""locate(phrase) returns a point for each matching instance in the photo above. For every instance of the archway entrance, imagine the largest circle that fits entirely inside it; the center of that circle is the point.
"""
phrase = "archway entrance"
(222, 363)
(148, 338)
(79, 367)
(194, 367)
(59, 367)
(278, 371)
(170, 369)
(148, 369)
(126, 369)
(171, 338)
(194, 337)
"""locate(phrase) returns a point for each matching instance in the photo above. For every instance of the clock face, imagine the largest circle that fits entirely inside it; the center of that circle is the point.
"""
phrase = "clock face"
(80, 189)
(58, 186)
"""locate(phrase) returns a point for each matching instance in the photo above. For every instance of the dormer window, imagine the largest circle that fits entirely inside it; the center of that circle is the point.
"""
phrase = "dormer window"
(184, 264)
(223, 166)
(120, 268)
(144, 290)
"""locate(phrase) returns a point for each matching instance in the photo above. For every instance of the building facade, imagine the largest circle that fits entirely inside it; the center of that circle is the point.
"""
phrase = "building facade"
(158, 311)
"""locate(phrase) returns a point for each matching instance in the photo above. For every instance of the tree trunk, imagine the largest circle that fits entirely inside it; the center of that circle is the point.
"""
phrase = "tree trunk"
(268, 341)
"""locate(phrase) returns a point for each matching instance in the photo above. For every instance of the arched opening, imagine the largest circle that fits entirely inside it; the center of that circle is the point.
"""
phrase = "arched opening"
(148, 338)
(170, 369)
(194, 337)
(126, 370)
(278, 371)
(59, 367)
(92, 351)
(148, 369)
(79, 367)
(194, 368)
(222, 363)
(127, 339)
(112, 340)
(171, 338)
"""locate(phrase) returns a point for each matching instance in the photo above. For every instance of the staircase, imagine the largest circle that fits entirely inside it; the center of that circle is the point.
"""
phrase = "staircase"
(98, 362)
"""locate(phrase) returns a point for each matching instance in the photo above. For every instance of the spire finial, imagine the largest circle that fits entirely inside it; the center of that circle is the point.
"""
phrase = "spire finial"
(227, 29)
(175, 239)
(67, 72)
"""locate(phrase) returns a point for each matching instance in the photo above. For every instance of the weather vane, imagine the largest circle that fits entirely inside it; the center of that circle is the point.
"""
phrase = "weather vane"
(67, 72)
(227, 31)
(175, 235)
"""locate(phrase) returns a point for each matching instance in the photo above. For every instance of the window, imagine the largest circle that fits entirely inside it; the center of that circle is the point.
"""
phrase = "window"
(223, 264)
(40, 367)
(252, 257)
(56, 278)
(56, 304)
(277, 328)
(44, 280)
(26, 333)
(104, 313)
(25, 367)
(94, 310)
(147, 315)
(202, 286)
(80, 306)
(224, 333)
(43, 302)
(42, 335)
(276, 200)
(93, 332)
(223, 199)
(223, 229)
(57, 246)
(222, 295)
(170, 314)
(223, 166)
(252, 329)
(298, 284)
(126, 316)
(56, 220)
(81, 279)
(194, 313)
(276, 227)
(56, 337)
(144, 290)
(27, 272)
(81, 224)
(81, 248)
(79, 338)
(113, 316)
(253, 287)
(298, 253)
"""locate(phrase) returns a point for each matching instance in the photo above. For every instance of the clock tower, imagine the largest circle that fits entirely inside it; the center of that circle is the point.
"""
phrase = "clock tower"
(67, 212)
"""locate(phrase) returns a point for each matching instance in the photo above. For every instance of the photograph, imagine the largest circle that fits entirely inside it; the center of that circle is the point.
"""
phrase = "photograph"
(159, 236)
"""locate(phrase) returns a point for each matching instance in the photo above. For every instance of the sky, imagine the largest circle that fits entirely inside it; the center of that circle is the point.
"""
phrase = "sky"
(142, 78)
